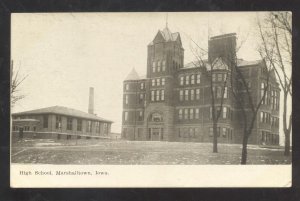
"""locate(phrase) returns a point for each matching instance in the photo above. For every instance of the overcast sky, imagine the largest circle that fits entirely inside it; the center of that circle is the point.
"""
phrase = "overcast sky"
(64, 54)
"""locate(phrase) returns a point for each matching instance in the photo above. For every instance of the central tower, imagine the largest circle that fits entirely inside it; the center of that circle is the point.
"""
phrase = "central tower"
(165, 58)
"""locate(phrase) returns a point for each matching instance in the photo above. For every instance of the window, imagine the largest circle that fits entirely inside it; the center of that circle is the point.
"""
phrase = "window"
(181, 80)
(213, 77)
(141, 99)
(186, 113)
(97, 125)
(220, 77)
(89, 126)
(180, 114)
(197, 131)
(153, 82)
(156, 117)
(192, 94)
(69, 123)
(126, 99)
(153, 66)
(141, 116)
(211, 132)
(157, 82)
(162, 95)
(142, 85)
(198, 79)
(187, 79)
(224, 132)
(163, 65)
(210, 113)
(224, 77)
(152, 95)
(192, 79)
(262, 91)
(225, 92)
(158, 66)
(157, 95)
(191, 113)
(265, 117)
(225, 113)
(186, 93)
(197, 113)
(127, 87)
(181, 95)
(105, 130)
(45, 121)
(249, 85)
(219, 92)
(163, 80)
(197, 94)
(58, 122)
(79, 124)
(192, 132)
(126, 116)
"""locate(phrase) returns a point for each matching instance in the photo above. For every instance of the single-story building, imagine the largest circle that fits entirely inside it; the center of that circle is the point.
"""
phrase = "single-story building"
(59, 122)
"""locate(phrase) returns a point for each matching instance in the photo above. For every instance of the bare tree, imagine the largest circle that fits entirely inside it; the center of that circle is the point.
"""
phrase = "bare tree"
(276, 34)
(246, 103)
(218, 90)
(16, 81)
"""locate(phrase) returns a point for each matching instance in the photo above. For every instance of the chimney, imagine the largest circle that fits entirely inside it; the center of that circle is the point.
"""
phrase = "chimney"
(91, 101)
(222, 46)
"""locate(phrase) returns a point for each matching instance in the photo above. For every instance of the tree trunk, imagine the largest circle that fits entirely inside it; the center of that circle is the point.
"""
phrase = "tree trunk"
(287, 143)
(244, 149)
(285, 127)
(215, 140)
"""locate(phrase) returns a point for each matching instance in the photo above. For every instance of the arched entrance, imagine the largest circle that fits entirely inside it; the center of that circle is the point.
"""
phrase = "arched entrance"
(155, 127)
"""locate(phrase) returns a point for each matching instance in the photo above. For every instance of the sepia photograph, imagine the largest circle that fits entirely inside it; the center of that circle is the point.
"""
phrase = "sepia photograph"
(159, 91)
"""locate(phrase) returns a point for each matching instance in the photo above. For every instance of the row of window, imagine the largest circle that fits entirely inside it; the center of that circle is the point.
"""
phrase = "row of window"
(268, 138)
(139, 117)
(158, 82)
(189, 132)
(271, 96)
(194, 94)
(266, 117)
(58, 124)
(158, 95)
(226, 112)
(25, 128)
(188, 113)
(141, 96)
(189, 79)
(225, 132)
(158, 66)
(219, 77)
(142, 86)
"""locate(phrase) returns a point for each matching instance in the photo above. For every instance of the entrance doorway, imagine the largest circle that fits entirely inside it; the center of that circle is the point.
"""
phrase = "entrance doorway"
(156, 134)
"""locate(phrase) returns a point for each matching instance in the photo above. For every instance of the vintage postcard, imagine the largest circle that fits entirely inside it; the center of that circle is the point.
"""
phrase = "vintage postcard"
(197, 99)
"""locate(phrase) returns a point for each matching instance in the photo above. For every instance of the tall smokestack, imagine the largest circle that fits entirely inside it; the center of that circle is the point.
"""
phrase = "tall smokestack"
(91, 101)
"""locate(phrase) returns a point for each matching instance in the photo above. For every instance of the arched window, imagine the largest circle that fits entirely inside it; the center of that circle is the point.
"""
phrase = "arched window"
(156, 117)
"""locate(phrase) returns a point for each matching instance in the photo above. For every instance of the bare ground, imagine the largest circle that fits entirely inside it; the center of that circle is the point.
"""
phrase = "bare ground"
(138, 153)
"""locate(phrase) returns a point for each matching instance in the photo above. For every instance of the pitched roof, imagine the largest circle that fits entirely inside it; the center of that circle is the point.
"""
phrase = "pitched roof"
(240, 62)
(168, 35)
(63, 111)
(133, 75)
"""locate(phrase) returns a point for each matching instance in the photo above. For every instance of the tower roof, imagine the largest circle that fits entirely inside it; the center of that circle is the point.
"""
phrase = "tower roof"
(133, 75)
(166, 35)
